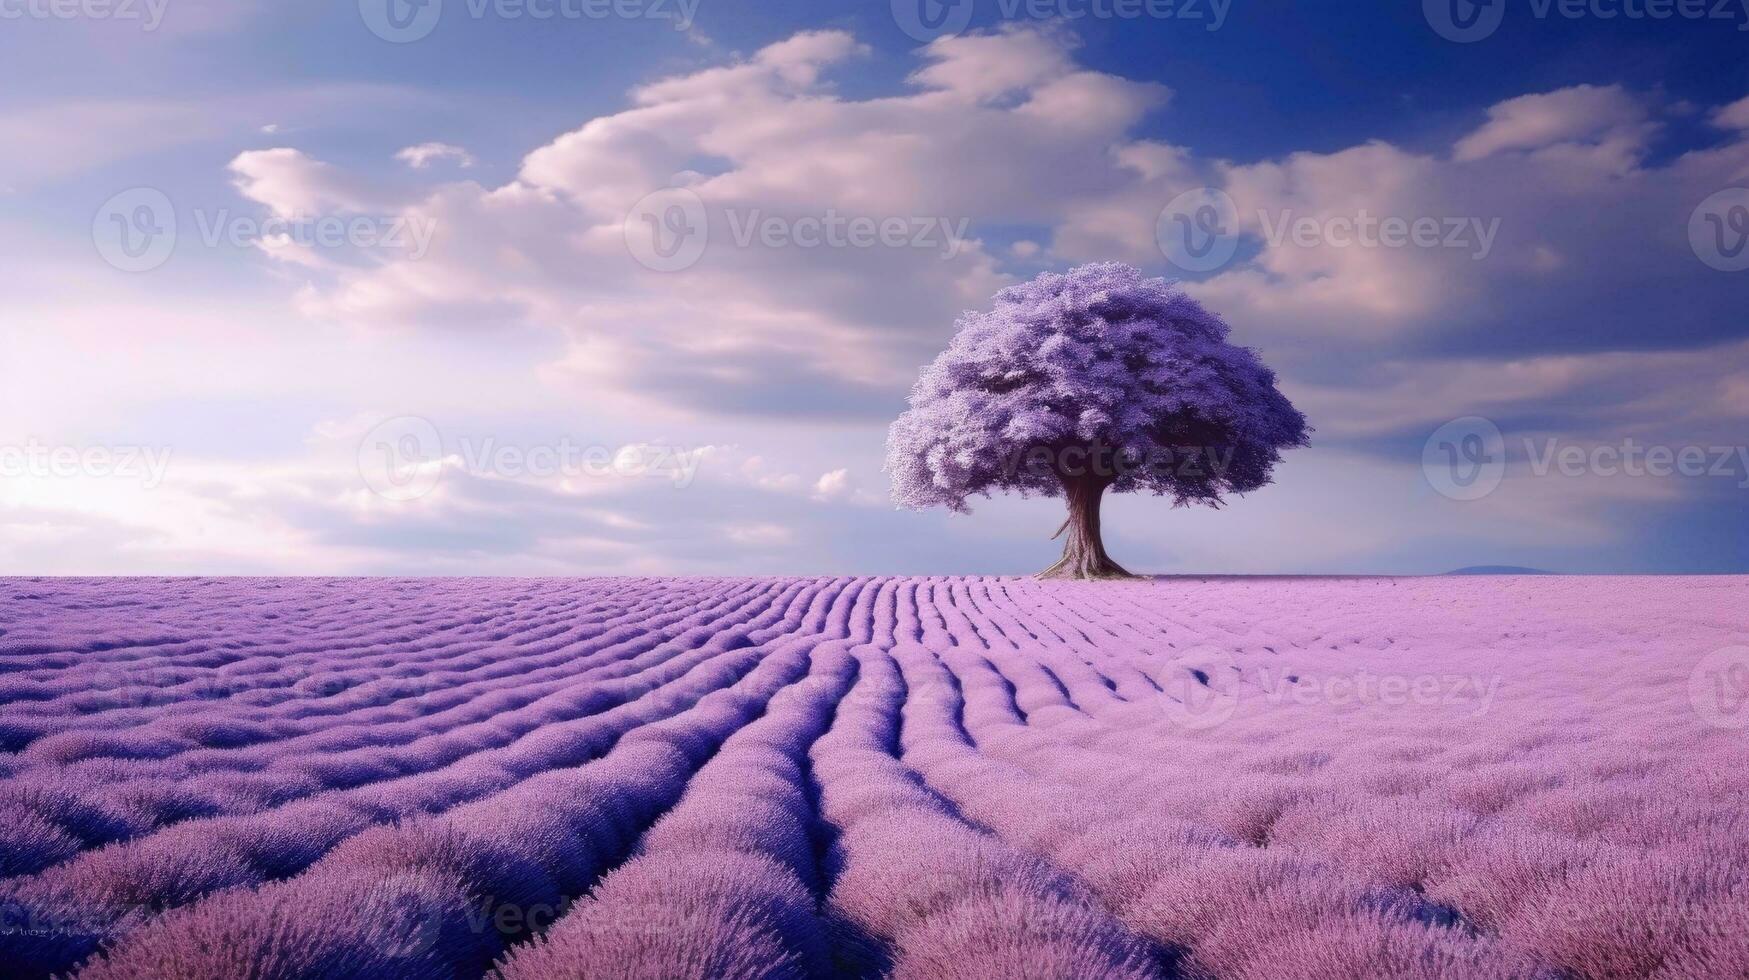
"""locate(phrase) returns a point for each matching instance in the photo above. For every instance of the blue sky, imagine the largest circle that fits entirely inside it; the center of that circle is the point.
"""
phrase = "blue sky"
(404, 324)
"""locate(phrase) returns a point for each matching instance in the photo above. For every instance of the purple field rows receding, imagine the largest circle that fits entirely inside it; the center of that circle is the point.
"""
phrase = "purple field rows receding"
(919, 778)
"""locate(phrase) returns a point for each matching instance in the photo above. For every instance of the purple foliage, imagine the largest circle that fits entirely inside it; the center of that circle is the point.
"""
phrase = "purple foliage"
(1098, 360)
(682, 914)
(913, 777)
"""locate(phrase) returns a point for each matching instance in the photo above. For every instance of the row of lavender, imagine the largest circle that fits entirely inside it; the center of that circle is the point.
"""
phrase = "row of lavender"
(868, 777)
(93, 875)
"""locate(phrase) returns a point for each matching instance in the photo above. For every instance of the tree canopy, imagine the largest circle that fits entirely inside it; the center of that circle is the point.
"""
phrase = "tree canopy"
(1100, 377)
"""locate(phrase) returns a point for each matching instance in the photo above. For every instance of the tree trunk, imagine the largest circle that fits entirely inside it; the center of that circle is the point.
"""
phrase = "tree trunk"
(1084, 554)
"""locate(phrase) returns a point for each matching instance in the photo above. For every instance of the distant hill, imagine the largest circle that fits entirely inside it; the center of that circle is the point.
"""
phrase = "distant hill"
(1499, 570)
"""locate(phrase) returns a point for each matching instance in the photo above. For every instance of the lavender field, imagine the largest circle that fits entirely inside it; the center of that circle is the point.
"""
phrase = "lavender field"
(659, 778)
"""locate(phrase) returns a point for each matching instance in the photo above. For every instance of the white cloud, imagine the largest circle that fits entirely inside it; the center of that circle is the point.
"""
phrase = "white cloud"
(1733, 116)
(985, 66)
(1002, 129)
(425, 154)
(832, 486)
(752, 328)
(1606, 120)
(1568, 214)
(292, 184)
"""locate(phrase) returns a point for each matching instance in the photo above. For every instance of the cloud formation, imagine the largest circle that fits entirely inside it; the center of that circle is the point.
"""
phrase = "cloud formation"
(1572, 302)
(1546, 204)
(425, 154)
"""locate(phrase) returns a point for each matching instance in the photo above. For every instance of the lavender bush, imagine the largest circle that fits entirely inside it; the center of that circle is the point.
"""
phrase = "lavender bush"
(865, 776)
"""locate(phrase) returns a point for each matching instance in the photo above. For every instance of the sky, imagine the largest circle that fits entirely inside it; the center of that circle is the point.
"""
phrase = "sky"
(636, 286)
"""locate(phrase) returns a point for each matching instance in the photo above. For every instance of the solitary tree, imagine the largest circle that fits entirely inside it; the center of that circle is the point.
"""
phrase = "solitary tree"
(1076, 384)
